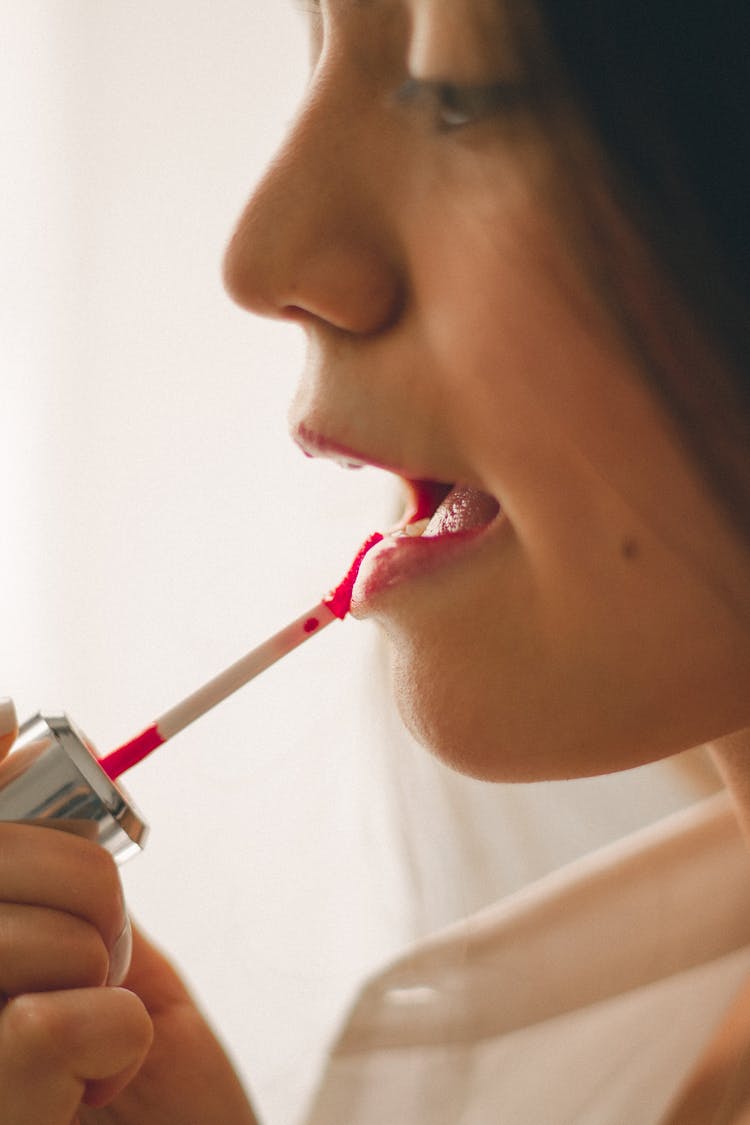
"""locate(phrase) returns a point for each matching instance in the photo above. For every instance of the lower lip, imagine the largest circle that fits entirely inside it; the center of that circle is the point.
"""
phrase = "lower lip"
(399, 559)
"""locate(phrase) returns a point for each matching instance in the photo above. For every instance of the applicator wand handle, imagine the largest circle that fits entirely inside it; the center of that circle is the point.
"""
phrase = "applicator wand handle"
(54, 777)
(216, 690)
(334, 606)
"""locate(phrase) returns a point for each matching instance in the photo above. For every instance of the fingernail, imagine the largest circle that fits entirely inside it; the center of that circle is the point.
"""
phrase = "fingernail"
(8, 718)
(119, 958)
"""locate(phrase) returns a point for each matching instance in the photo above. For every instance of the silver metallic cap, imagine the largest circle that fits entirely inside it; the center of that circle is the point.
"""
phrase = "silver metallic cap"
(53, 775)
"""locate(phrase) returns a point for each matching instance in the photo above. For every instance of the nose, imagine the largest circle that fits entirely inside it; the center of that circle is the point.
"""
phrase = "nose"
(312, 244)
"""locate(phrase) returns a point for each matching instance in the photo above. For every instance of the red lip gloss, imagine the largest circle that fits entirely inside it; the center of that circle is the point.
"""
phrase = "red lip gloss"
(339, 601)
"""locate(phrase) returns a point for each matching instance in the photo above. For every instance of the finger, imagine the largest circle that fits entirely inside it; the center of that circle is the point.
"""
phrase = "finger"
(44, 950)
(154, 976)
(8, 726)
(56, 1048)
(42, 867)
(120, 956)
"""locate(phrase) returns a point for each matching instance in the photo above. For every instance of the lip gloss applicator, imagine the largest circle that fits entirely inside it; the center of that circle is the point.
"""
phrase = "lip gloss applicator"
(55, 778)
(334, 606)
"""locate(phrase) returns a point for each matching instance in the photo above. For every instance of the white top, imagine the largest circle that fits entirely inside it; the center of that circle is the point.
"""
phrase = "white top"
(584, 999)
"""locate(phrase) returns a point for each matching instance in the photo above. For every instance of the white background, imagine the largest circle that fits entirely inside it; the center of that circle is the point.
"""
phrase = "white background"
(156, 522)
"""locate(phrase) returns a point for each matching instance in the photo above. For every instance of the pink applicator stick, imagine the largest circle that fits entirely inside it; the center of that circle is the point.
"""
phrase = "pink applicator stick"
(332, 607)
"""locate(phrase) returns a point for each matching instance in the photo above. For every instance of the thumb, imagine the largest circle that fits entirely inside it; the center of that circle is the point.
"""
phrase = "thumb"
(8, 726)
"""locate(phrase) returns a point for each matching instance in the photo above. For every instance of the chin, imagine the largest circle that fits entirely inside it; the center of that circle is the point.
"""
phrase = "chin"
(455, 727)
(467, 722)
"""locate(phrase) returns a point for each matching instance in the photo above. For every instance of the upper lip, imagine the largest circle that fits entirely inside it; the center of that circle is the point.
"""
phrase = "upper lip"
(316, 444)
(425, 490)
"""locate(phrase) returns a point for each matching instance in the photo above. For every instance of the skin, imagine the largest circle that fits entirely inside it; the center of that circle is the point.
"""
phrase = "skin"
(452, 336)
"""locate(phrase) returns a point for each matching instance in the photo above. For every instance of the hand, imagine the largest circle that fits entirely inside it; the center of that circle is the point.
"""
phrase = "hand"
(186, 1077)
(75, 1048)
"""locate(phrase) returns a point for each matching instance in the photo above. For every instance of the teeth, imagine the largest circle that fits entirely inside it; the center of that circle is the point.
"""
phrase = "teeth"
(412, 530)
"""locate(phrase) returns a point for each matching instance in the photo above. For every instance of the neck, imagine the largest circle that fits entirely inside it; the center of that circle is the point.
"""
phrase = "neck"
(732, 757)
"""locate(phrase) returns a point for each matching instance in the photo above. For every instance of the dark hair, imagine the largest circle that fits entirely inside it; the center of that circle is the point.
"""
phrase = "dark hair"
(664, 87)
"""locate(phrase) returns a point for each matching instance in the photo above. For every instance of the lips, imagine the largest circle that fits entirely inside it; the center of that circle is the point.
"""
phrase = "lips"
(442, 522)
(447, 537)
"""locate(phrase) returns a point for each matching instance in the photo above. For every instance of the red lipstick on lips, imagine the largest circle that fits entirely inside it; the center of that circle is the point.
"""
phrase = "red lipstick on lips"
(461, 518)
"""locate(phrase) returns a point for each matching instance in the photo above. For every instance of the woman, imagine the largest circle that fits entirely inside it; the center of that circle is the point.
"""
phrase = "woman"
(517, 240)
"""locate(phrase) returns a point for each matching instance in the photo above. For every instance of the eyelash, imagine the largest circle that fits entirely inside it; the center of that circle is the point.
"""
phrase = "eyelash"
(454, 107)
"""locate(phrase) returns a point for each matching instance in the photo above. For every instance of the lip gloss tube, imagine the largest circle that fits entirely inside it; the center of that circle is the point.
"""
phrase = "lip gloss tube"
(57, 782)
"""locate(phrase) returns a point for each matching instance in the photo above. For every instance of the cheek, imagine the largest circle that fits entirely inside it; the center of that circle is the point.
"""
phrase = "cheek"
(511, 672)
(544, 400)
(505, 307)
(493, 329)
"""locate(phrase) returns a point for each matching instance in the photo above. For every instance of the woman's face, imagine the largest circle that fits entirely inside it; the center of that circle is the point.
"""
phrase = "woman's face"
(598, 619)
